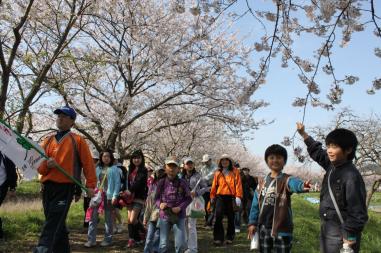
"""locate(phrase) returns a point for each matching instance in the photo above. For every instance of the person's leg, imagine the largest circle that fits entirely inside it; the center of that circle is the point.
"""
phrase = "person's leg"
(56, 200)
(148, 247)
(92, 229)
(3, 193)
(164, 230)
(282, 244)
(330, 236)
(156, 239)
(206, 197)
(192, 235)
(133, 220)
(108, 221)
(265, 240)
(218, 229)
(230, 233)
(237, 221)
(179, 234)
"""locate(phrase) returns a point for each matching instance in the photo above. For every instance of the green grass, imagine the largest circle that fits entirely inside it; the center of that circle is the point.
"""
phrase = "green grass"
(23, 227)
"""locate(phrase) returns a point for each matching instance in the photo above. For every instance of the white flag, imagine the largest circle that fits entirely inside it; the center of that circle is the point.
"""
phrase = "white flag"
(20, 151)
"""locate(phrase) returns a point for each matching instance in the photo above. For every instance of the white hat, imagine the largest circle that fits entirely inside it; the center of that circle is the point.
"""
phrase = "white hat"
(225, 156)
(205, 158)
(116, 156)
(95, 154)
(188, 159)
(172, 160)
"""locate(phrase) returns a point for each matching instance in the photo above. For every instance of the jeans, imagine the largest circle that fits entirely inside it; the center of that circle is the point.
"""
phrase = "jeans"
(331, 235)
(237, 220)
(152, 239)
(224, 206)
(192, 235)
(56, 200)
(179, 235)
(92, 230)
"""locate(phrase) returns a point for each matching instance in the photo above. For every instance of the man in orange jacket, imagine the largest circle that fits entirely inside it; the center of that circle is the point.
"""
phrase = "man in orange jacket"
(72, 153)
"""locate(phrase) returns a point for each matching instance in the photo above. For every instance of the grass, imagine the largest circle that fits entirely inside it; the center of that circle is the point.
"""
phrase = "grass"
(22, 223)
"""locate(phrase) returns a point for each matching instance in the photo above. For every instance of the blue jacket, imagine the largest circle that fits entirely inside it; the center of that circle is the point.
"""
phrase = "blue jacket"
(294, 185)
(113, 181)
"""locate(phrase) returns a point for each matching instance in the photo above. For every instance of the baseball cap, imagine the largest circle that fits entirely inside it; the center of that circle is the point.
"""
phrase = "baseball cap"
(116, 156)
(171, 160)
(205, 158)
(67, 111)
(95, 154)
(188, 159)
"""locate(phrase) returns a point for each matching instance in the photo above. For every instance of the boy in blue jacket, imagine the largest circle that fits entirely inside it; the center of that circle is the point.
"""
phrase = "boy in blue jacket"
(270, 213)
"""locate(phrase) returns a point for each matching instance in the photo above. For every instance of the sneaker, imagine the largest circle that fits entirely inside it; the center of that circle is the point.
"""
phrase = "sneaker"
(229, 241)
(130, 243)
(105, 244)
(217, 243)
(237, 230)
(89, 244)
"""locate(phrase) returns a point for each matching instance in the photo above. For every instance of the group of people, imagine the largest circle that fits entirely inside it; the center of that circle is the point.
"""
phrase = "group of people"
(157, 198)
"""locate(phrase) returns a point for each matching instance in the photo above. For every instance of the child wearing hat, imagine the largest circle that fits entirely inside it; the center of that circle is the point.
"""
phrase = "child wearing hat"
(172, 198)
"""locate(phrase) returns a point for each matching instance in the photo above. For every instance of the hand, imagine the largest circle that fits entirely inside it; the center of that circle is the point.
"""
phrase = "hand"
(193, 194)
(163, 206)
(307, 185)
(145, 223)
(51, 163)
(301, 130)
(350, 243)
(127, 192)
(114, 201)
(176, 210)
(238, 201)
(90, 192)
(251, 231)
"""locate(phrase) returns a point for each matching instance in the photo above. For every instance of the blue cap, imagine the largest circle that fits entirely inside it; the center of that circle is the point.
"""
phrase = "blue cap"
(67, 111)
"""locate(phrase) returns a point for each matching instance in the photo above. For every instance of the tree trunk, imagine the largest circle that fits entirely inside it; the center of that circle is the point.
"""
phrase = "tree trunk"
(374, 188)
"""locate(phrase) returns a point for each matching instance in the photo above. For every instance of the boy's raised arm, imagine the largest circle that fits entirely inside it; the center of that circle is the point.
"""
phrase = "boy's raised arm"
(314, 148)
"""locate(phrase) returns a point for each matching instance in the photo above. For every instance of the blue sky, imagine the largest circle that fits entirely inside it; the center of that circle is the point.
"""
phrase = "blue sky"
(283, 85)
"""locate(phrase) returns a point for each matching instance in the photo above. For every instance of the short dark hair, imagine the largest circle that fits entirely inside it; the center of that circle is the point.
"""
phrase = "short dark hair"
(276, 149)
(343, 138)
(112, 159)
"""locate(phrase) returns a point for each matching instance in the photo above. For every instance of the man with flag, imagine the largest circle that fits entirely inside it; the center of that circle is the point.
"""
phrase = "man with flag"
(70, 152)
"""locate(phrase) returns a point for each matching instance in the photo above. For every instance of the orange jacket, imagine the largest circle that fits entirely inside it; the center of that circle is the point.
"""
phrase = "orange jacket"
(231, 185)
(63, 154)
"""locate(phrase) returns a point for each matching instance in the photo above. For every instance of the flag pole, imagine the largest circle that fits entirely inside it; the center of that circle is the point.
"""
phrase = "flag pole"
(24, 142)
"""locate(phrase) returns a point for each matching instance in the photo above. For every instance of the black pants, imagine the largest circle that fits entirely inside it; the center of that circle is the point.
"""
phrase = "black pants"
(56, 200)
(224, 206)
(206, 197)
(3, 193)
(331, 235)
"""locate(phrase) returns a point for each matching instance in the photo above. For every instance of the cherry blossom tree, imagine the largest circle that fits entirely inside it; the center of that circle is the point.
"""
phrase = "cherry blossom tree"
(33, 35)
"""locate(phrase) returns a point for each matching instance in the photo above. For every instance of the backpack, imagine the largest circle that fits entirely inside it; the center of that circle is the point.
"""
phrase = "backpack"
(123, 177)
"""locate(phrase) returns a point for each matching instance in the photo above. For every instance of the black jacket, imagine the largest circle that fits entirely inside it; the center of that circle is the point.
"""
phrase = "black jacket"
(139, 186)
(10, 169)
(348, 187)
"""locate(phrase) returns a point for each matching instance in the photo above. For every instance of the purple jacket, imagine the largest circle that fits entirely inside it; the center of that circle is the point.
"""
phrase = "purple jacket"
(175, 193)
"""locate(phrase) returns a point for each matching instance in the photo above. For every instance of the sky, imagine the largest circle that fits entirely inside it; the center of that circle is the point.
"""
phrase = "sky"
(283, 85)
